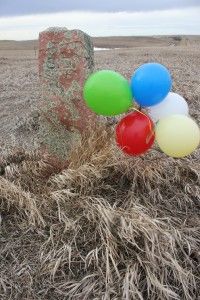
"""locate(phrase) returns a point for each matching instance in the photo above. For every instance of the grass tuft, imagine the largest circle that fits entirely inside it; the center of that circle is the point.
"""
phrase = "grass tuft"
(106, 227)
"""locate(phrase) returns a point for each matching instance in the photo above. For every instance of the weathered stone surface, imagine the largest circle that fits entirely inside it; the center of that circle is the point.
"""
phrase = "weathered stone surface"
(65, 61)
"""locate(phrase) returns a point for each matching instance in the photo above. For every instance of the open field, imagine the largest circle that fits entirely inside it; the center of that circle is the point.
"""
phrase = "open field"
(19, 83)
(108, 227)
(114, 42)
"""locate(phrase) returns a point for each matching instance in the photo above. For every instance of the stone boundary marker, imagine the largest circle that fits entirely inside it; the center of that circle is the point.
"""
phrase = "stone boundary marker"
(65, 62)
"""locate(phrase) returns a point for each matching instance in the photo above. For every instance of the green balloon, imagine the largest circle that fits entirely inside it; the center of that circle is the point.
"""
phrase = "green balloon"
(107, 93)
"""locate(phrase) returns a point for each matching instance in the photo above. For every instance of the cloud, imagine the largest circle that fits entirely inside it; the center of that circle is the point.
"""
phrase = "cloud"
(177, 21)
(23, 7)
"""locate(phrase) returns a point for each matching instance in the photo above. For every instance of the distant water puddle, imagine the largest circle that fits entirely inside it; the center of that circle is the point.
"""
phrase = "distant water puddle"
(100, 49)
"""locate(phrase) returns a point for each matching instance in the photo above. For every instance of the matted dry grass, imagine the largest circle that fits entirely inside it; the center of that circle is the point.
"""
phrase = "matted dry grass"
(106, 227)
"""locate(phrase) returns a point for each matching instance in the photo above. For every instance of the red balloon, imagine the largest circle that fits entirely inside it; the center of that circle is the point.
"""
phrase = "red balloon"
(135, 133)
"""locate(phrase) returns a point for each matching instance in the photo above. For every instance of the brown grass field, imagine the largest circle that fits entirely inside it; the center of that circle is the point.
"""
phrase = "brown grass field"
(108, 226)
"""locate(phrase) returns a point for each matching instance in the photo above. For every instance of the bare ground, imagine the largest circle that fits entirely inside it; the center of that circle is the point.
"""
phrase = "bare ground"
(108, 226)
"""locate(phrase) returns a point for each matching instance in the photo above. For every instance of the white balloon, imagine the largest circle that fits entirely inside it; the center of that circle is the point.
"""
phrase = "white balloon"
(173, 104)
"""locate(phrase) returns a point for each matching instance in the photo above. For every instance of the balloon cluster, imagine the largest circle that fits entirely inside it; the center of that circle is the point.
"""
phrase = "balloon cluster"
(166, 117)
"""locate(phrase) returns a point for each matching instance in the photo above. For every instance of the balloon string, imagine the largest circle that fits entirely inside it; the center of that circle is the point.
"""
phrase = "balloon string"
(150, 124)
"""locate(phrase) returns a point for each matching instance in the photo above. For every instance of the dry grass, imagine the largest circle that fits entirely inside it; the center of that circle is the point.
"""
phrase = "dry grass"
(106, 227)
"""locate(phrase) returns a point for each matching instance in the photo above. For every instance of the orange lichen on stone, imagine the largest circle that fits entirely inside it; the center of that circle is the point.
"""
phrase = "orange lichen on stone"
(65, 61)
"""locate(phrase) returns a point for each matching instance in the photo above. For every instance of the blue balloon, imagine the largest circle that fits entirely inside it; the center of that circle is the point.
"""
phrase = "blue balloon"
(150, 84)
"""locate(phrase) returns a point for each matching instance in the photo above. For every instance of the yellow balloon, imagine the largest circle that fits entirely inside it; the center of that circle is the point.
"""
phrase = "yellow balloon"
(177, 135)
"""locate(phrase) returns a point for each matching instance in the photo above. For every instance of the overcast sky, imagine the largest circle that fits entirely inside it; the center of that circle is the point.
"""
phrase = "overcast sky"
(23, 19)
(23, 7)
